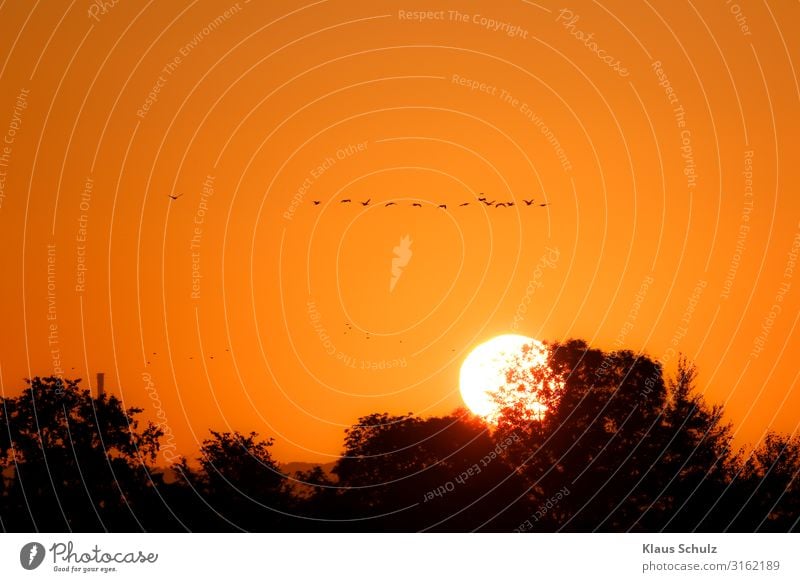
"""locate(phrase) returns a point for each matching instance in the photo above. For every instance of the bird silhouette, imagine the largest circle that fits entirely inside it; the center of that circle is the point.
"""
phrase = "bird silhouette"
(499, 204)
(487, 202)
(528, 202)
(510, 203)
(174, 196)
(545, 204)
(391, 203)
(417, 204)
(444, 206)
(345, 201)
(316, 202)
(465, 204)
(366, 203)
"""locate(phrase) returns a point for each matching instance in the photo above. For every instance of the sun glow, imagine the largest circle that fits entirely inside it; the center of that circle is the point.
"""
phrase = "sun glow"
(508, 371)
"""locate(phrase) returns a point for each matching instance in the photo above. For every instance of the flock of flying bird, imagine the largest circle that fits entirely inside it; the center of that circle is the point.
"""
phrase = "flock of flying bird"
(367, 202)
(481, 199)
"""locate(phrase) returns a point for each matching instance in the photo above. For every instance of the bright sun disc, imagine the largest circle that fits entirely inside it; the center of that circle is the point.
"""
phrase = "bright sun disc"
(485, 371)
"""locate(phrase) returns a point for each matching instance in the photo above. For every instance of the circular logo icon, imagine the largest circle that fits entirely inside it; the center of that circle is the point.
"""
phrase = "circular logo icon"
(31, 555)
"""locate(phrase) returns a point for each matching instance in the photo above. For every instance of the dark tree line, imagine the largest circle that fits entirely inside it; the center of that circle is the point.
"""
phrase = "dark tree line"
(620, 448)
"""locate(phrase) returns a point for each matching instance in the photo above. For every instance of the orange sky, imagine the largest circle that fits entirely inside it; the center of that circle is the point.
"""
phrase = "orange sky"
(670, 171)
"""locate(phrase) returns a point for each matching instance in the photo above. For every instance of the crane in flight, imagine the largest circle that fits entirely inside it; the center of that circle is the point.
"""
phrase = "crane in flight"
(175, 196)
(366, 203)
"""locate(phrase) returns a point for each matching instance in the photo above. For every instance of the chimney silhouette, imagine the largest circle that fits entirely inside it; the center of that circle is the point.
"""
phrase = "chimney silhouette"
(101, 384)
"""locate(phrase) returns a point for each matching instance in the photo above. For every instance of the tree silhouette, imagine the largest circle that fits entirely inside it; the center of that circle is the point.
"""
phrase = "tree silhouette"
(231, 458)
(626, 446)
(313, 494)
(696, 460)
(585, 441)
(238, 485)
(766, 493)
(532, 388)
(78, 463)
(405, 473)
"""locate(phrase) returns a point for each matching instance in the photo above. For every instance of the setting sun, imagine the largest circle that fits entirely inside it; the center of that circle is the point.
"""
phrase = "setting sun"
(505, 370)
